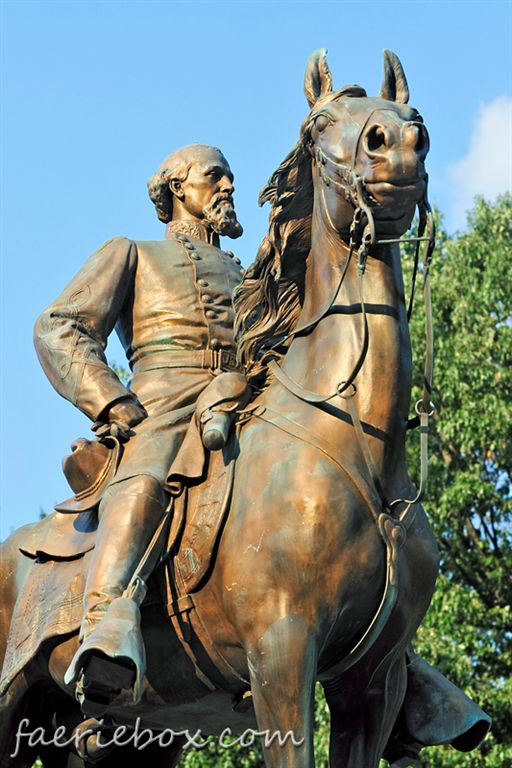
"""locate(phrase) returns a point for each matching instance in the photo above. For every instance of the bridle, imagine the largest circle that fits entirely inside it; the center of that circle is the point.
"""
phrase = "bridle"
(362, 239)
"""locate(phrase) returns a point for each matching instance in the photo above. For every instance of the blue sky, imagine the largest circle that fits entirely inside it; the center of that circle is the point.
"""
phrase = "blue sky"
(95, 94)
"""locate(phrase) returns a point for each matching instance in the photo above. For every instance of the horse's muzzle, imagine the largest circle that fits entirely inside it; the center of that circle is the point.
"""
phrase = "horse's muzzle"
(393, 205)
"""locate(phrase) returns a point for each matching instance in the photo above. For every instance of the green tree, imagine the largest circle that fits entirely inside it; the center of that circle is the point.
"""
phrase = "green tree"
(123, 374)
(467, 631)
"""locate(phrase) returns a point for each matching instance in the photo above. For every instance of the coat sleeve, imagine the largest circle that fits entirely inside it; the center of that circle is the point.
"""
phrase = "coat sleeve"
(70, 336)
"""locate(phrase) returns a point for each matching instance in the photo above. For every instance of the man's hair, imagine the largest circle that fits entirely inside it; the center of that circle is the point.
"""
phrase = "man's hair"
(175, 166)
(158, 185)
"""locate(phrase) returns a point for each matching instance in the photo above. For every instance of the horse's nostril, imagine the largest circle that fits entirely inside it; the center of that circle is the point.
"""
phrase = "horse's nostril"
(416, 137)
(375, 138)
(422, 143)
(78, 443)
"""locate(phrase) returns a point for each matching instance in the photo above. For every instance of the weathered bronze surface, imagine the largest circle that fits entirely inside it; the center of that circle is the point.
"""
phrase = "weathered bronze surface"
(316, 566)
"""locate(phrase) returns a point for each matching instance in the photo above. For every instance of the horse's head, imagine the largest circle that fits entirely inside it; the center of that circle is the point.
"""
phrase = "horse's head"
(368, 153)
(359, 168)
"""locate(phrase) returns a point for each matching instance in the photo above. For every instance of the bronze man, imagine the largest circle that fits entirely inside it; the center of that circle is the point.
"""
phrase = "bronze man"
(170, 302)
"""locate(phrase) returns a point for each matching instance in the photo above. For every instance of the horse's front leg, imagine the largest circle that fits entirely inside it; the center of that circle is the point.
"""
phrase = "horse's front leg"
(282, 664)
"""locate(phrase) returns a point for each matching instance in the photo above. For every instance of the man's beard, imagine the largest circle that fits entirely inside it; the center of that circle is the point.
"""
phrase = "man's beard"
(220, 215)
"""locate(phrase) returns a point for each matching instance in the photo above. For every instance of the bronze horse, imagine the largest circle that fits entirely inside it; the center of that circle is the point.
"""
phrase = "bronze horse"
(318, 575)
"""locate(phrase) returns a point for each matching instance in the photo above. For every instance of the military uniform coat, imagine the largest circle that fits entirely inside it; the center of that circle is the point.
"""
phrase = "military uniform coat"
(170, 303)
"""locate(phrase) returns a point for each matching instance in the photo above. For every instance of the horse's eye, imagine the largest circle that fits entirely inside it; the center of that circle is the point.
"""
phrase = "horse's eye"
(321, 123)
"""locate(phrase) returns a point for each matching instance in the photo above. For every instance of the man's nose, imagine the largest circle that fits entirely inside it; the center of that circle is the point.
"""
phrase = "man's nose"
(226, 185)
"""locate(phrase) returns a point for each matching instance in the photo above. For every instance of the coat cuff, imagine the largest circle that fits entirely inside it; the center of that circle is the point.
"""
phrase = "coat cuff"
(99, 388)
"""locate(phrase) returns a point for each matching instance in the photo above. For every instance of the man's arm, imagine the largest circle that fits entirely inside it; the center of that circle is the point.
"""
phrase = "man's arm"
(70, 336)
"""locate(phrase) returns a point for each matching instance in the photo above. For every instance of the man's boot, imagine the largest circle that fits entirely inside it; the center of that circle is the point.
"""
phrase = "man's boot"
(111, 656)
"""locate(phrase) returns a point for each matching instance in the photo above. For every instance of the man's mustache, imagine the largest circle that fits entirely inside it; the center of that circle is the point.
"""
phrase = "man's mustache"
(220, 198)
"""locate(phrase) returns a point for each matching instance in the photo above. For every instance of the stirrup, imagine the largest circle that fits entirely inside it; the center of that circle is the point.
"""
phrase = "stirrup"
(110, 659)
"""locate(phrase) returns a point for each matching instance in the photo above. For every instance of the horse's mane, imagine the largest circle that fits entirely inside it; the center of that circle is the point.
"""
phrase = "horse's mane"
(269, 300)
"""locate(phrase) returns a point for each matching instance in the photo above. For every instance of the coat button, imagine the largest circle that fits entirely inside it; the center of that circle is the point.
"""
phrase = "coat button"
(230, 254)
(215, 344)
(236, 260)
(203, 283)
(210, 314)
(206, 298)
(195, 256)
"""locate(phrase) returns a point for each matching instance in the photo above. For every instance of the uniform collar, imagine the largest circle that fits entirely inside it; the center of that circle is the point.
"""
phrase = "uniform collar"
(191, 228)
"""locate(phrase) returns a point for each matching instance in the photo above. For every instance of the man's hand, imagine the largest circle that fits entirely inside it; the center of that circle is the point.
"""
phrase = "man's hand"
(126, 413)
(119, 419)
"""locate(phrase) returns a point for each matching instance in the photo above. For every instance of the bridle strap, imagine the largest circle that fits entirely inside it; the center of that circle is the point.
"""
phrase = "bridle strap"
(424, 407)
(363, 237)
(313, 397)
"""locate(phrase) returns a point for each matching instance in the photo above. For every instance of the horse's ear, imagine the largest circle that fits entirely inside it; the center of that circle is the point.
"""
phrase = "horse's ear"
(394, 86)
(318, 78)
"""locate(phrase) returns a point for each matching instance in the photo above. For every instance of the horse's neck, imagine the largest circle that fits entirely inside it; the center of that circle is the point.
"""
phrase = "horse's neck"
(328, 354)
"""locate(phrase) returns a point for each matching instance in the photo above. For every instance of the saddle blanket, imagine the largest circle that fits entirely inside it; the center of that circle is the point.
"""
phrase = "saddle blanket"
(49, 605)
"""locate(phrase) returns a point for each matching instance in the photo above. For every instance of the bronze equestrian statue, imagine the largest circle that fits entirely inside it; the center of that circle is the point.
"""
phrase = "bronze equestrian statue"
(320, 562)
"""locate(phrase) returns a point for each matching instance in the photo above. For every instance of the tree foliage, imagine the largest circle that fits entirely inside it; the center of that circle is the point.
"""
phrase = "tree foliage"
(467, 631)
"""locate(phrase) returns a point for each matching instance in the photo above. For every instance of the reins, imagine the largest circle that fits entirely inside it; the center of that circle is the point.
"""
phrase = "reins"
(363, 238)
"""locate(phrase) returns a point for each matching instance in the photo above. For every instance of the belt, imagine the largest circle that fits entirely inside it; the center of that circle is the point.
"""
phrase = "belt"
(210, 359)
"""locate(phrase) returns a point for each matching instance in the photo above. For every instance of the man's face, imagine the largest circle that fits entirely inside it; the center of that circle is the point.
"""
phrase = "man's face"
(207, 192)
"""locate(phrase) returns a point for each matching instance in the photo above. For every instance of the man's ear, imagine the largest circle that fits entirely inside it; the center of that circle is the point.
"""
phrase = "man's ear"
(176, 188)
